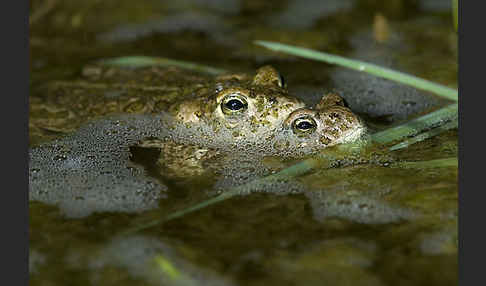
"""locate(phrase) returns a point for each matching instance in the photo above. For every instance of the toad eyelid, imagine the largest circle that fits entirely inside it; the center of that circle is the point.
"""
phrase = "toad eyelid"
(231, 96)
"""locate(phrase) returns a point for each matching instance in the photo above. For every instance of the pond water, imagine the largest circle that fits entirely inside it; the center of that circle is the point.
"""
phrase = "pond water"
(115, 201)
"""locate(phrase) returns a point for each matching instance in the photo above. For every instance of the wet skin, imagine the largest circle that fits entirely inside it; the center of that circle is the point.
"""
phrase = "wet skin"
(330, 123)
(327, 124)
(240, 102)
(243, 104)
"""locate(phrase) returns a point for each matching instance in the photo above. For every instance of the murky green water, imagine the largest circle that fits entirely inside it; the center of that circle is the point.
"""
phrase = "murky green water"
(389, 221)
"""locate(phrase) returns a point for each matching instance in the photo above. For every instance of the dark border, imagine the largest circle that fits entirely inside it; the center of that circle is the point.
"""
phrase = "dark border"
(14, 122)
(471, 108)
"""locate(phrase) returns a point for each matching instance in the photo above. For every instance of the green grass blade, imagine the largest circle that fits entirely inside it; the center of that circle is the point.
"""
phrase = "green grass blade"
(437, 163)
(292, 171)
(418, 125)
(421, 137)
(321, 160)
(400, 77)
(143, 61)
(180, 213)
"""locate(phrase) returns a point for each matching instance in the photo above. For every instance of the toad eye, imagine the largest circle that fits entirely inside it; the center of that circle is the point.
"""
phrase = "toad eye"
(233, 104)
(304, 126)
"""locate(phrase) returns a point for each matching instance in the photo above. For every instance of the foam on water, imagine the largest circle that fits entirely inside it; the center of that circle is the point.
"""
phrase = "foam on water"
(245, 174)
(356, 208)
(90, 170)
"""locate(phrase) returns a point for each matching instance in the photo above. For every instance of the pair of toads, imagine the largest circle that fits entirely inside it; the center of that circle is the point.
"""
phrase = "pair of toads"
(231, 114)
(248, 105)
(257, 107)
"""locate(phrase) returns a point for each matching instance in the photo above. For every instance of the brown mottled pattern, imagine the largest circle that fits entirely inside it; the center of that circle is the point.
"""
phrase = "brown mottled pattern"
(334, 123)
(268, 102)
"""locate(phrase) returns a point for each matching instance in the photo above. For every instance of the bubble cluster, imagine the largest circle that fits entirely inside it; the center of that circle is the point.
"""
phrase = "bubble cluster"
(90, 170)
(360, 209)
(245, 175)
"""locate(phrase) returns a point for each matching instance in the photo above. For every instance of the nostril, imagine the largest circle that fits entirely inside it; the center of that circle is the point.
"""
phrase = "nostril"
(334, 115)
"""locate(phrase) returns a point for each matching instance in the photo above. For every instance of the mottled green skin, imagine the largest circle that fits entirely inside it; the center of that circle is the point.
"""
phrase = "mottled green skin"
(190, 97)
(336, 123)
(193, 100)
(60, 107)
(268, 102)
(268, 106)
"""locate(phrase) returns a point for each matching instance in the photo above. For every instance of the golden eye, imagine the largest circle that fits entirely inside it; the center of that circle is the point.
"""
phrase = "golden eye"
(304, 125)
(233, 104)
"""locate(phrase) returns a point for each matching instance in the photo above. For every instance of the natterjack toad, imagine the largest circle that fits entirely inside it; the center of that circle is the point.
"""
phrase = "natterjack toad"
(329, 123)
(239, 102)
